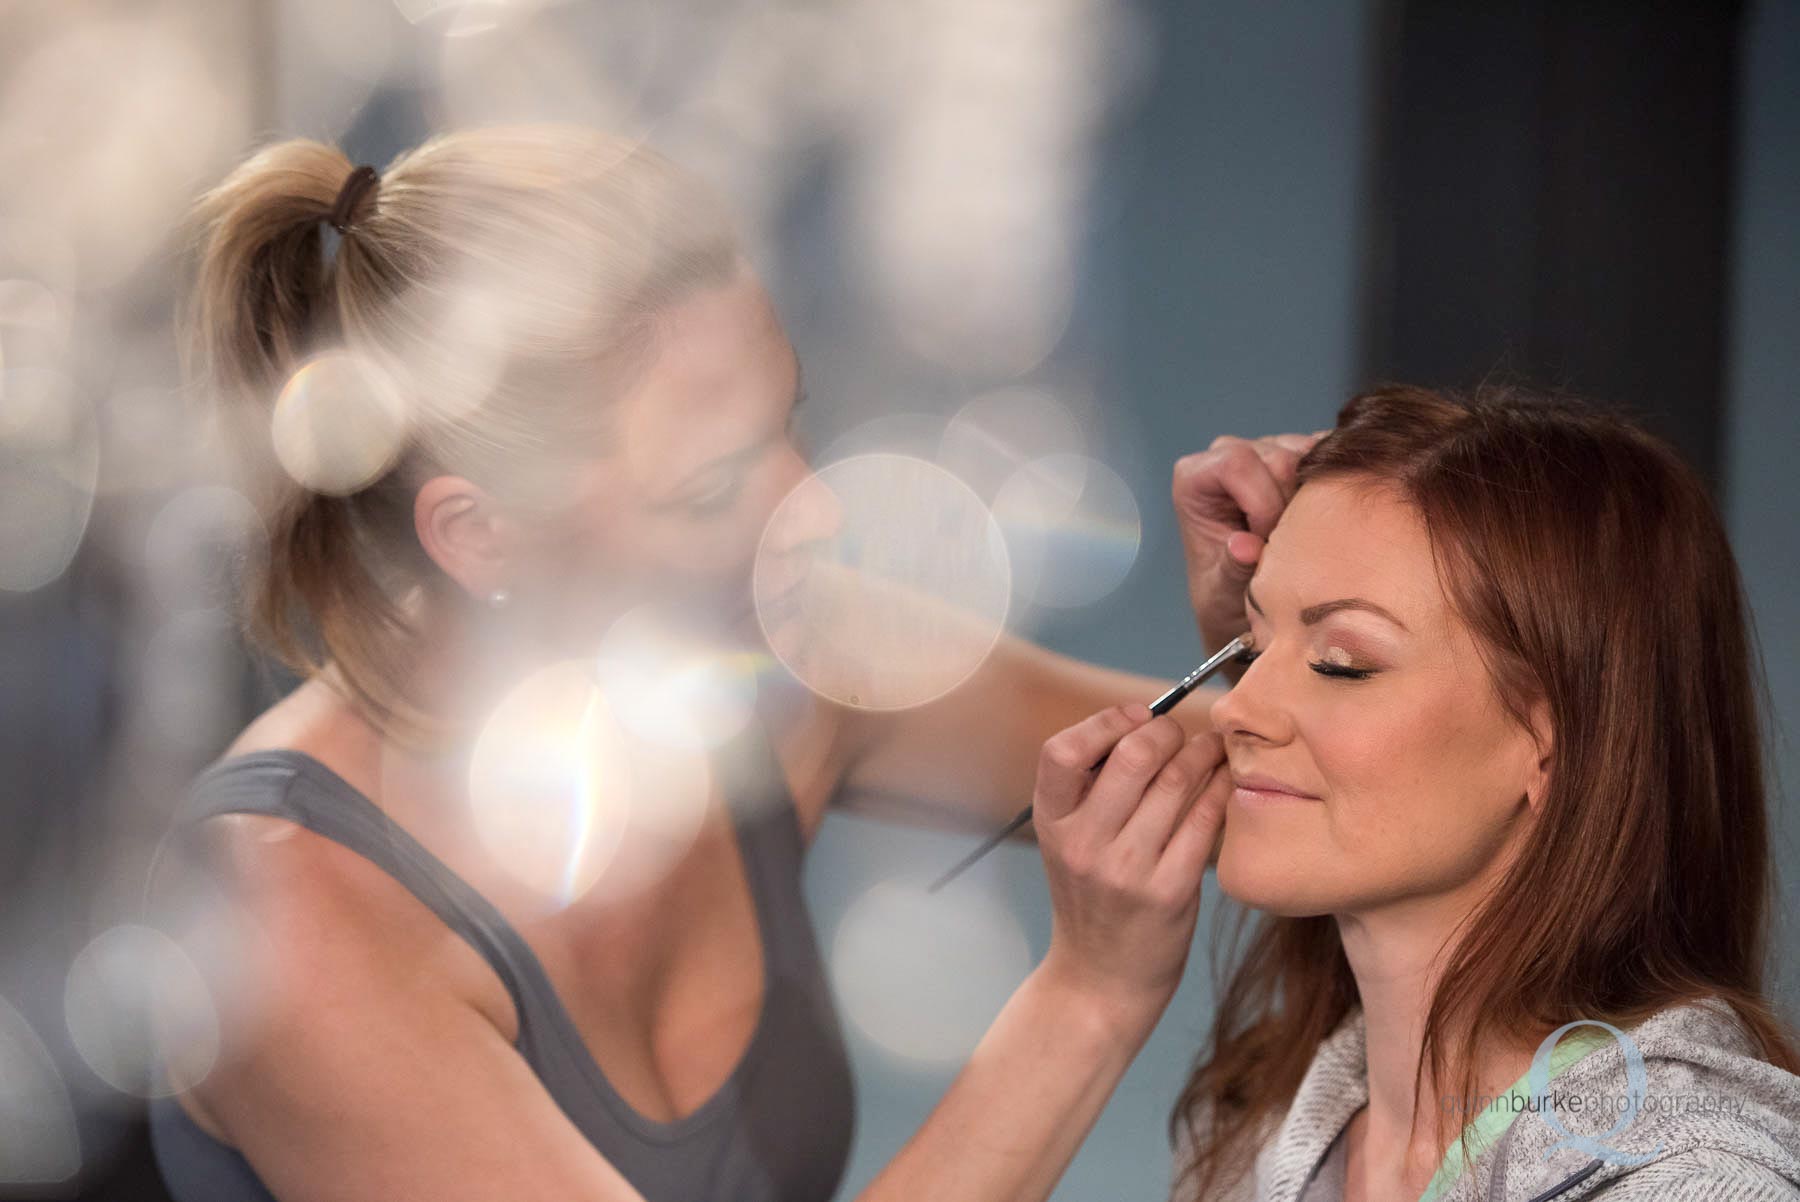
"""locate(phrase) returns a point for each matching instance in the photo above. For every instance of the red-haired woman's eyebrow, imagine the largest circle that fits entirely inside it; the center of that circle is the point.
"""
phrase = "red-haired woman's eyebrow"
(1314, 614)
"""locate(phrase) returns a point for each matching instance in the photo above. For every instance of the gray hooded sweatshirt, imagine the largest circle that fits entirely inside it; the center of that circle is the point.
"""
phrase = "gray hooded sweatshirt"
(1715, 1124)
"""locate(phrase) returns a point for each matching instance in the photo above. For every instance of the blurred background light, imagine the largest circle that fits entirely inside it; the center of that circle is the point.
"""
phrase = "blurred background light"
(677, 690)
(571, 803)
(152, 133)
(188, 678)
(995, 434)
(336, 55)
(135, 1004)
(49, 469)
(199, 543)
(917, 435)
(338, 423)
(923, 974)
(904, 601)
(973, 166)
(548, 62)
(1072, 526)
(39, 1143)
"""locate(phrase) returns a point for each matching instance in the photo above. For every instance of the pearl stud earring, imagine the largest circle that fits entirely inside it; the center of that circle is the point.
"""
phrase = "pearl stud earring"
(498, 598)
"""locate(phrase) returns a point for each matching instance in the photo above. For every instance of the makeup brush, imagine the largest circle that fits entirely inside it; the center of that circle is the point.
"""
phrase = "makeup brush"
(1161, 705)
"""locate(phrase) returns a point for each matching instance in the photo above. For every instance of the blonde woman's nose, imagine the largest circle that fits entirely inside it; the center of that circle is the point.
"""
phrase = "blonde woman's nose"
(811, 513)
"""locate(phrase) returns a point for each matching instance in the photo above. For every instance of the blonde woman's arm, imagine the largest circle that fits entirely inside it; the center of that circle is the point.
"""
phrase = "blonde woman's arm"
(1125, 851)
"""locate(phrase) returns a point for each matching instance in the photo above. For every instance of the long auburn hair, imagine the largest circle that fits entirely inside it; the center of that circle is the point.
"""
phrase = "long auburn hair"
(1594, 571)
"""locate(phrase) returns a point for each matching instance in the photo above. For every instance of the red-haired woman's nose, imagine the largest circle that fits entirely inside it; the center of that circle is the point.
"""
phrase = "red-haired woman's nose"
(1248, 710)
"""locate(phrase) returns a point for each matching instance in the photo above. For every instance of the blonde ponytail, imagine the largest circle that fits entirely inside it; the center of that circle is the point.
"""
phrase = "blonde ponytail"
(564, 242)
(261, 280)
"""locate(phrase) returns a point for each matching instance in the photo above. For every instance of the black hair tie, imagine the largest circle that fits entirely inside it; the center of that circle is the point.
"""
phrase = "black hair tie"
(359, 182)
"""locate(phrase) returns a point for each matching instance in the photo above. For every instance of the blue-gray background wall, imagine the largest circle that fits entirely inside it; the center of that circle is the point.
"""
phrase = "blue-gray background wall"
(1762, 427)
(1226, 273)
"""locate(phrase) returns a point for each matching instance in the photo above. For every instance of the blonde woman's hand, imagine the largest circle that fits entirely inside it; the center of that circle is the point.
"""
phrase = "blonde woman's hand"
(1125, 849)
(1227, 499)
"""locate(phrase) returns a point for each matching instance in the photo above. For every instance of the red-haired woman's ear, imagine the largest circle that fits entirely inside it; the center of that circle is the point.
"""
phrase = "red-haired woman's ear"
(1544, 740)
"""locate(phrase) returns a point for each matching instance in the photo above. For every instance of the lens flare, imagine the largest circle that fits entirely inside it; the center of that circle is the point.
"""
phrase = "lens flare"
(110, 167)
(996, 434)
(191, 674)
(548, 61)
(27, 305)
(338, 423)
(38, 1140)
(153, 416)
(570, 802)
(1073, 528)
(49, 469)
(351, 43)
(677, 691)
(970, 178)
(196, 544)
(923, 974)
(474, 318)
(140, 1014)
(882, 582)
(916, 434)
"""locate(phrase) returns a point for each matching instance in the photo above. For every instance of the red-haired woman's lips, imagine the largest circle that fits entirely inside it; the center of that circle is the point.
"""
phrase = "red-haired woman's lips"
(1254, 786)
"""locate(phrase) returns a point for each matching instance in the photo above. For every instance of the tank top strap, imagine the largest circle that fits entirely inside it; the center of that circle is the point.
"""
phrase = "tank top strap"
(293, 785)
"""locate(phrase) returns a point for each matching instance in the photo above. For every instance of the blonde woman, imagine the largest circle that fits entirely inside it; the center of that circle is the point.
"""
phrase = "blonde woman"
(597, 399)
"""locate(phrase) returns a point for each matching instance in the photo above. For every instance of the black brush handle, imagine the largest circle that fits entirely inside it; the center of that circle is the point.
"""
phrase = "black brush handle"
(1160, 706)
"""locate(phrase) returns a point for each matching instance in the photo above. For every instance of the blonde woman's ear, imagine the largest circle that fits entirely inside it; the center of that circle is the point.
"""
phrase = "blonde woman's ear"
(460, 528)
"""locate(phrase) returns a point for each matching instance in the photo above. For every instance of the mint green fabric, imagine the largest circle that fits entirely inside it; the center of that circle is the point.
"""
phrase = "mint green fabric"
(1482, 1130)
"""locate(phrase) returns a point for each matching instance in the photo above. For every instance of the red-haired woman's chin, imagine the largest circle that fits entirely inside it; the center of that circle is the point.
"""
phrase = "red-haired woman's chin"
(1263, 875)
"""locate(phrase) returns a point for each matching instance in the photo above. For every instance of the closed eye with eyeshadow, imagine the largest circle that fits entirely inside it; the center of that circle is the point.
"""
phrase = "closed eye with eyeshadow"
(1336, 663)
(1324, 667)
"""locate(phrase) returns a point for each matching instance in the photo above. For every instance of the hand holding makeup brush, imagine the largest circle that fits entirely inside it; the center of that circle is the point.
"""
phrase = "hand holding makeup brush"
(1227, 499)
(1125, 848)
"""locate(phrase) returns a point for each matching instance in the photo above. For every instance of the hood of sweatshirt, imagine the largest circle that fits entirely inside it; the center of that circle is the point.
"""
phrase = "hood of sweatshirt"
(1710, 1120)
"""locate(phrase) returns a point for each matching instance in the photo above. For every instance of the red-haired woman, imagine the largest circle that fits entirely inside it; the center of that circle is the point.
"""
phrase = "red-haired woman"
(1499, 799)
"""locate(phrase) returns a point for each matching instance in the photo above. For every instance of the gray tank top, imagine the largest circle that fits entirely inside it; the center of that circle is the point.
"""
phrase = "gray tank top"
(779, 1128)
